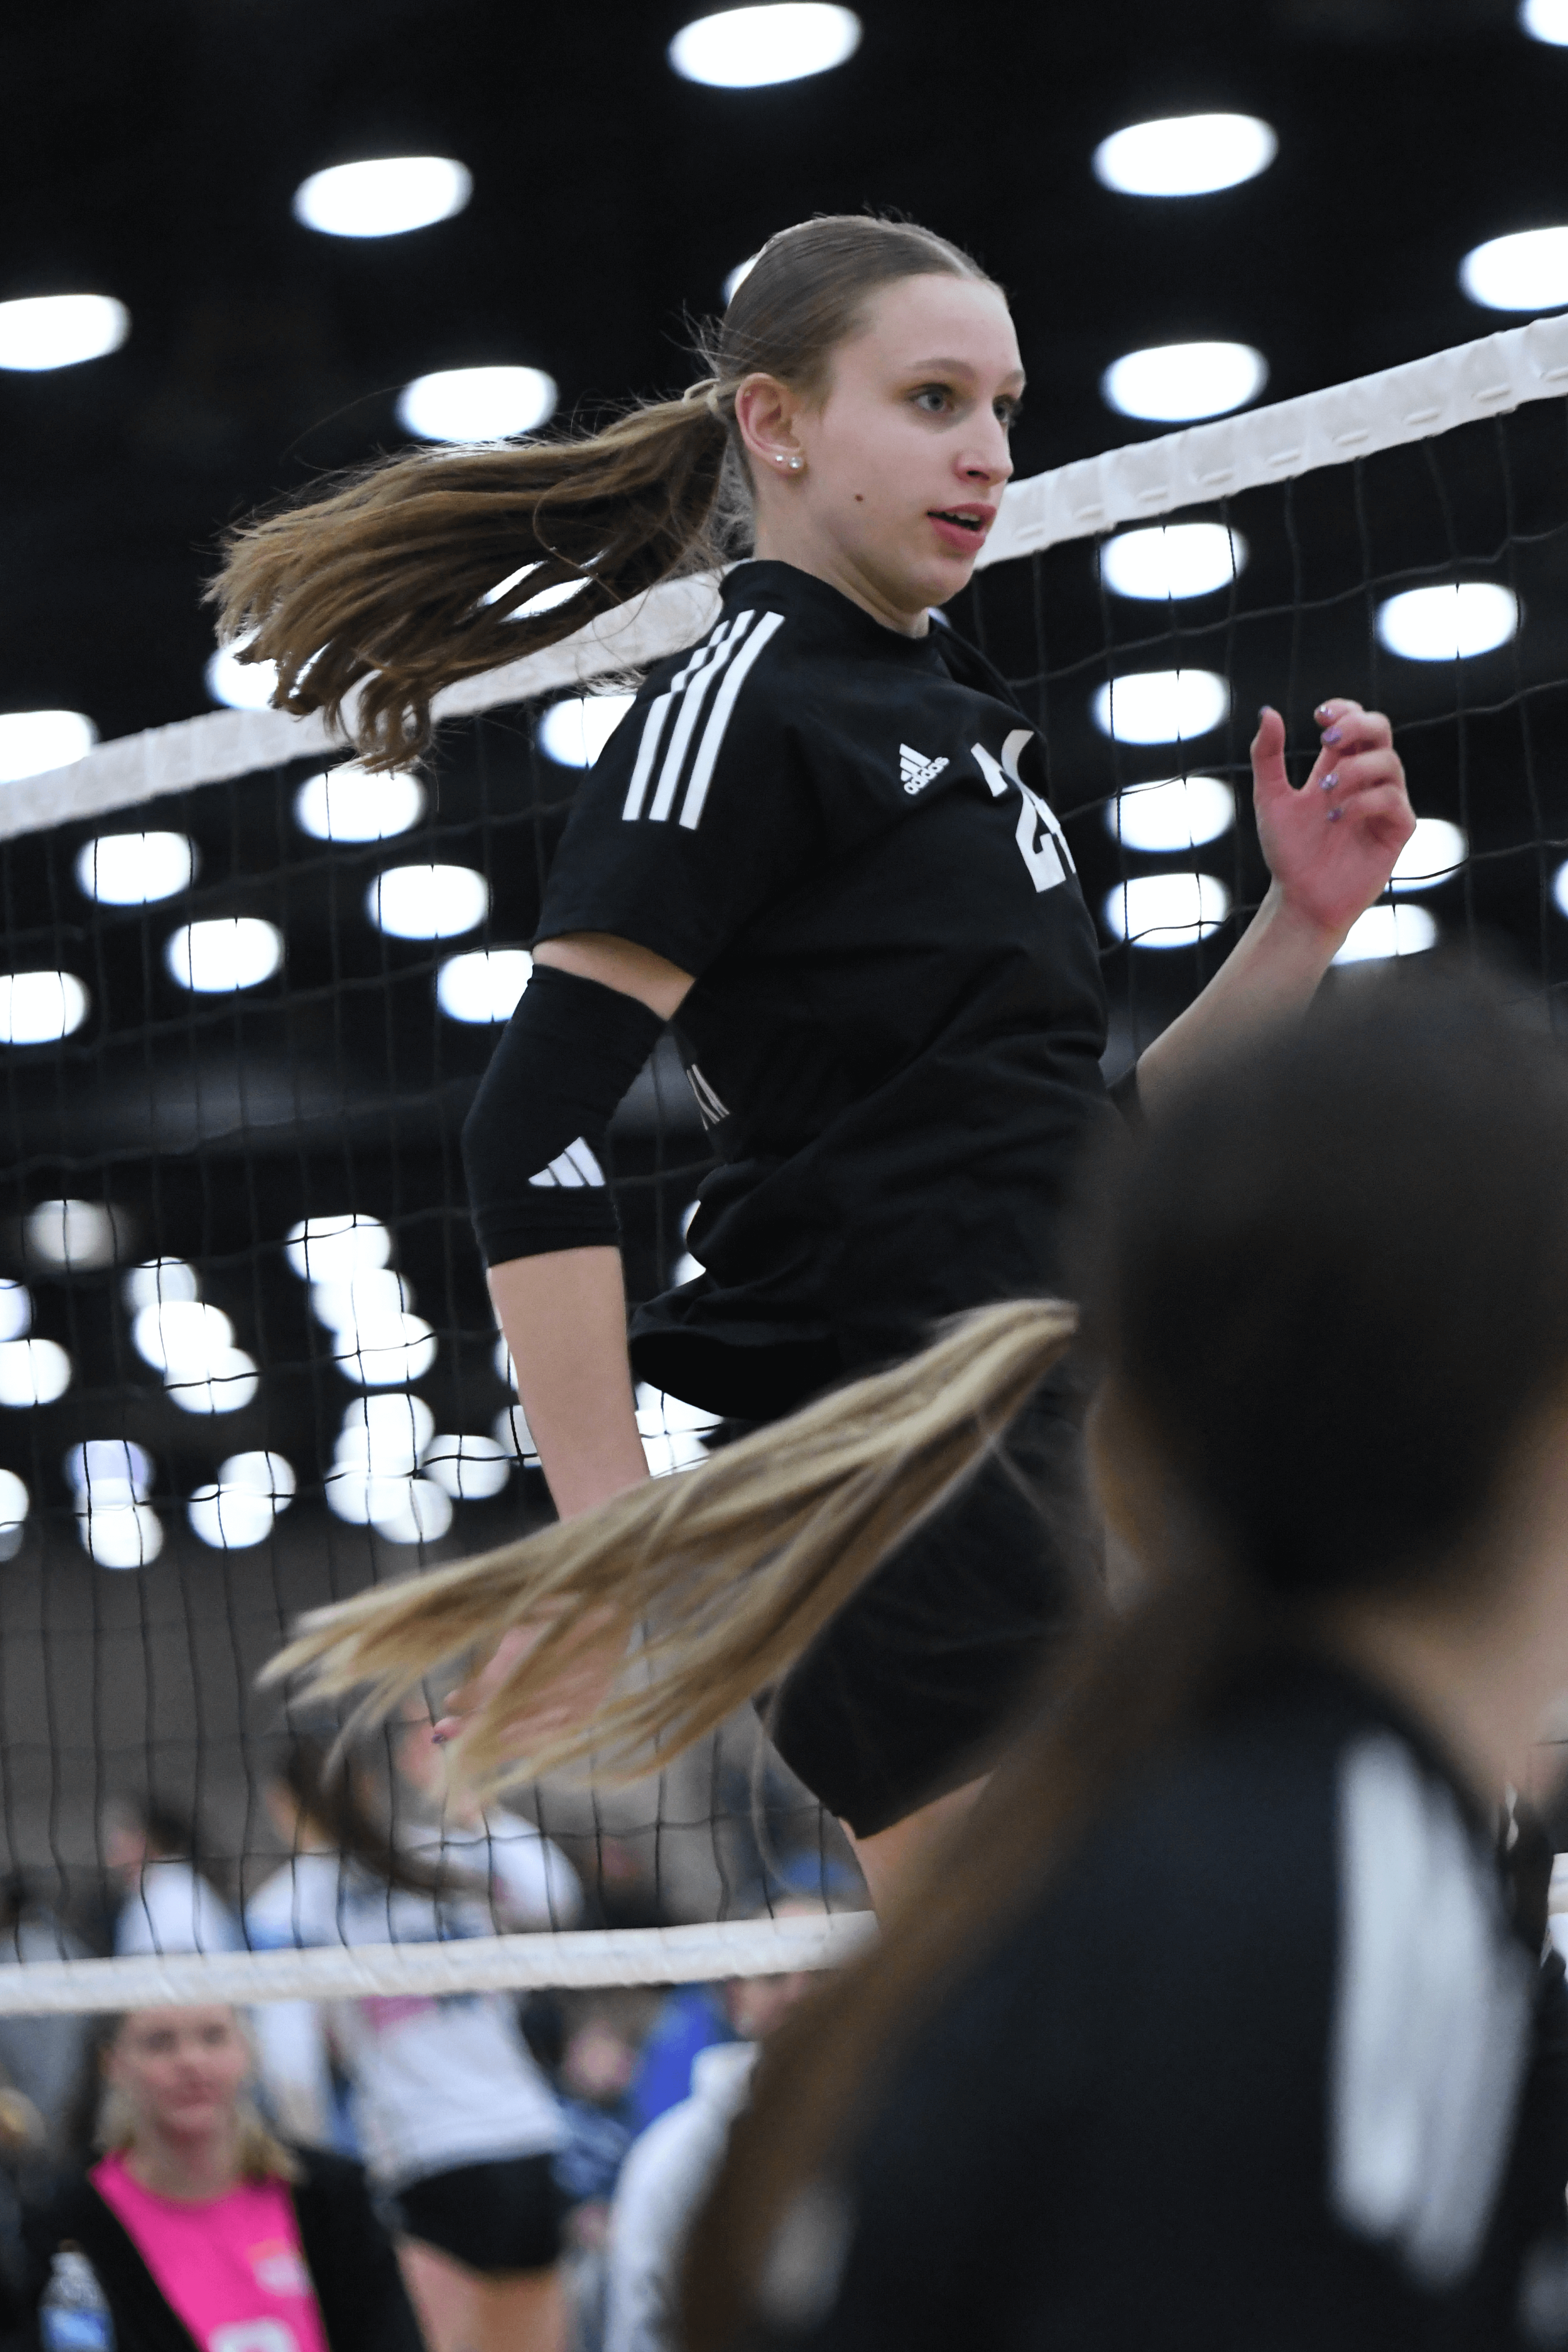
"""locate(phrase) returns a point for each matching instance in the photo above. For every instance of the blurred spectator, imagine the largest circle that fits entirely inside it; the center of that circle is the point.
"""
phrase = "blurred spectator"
(298, 2082)
(528, 1879)
(596, 2069)
(667, 2174)
(41, 2057)
(457, 2123)
(169, 1906)
(691, 2019)
(200, 2226)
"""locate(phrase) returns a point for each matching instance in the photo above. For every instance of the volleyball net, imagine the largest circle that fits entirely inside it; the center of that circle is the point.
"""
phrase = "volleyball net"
(247, 1363)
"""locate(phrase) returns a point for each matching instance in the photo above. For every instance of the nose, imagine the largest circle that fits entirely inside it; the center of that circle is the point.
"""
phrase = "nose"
(988, 462)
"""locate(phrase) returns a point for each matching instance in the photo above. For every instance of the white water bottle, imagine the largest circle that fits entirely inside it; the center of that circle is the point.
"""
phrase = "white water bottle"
(73, 2313)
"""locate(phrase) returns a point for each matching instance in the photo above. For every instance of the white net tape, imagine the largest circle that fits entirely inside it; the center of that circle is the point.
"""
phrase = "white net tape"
(706, 1953)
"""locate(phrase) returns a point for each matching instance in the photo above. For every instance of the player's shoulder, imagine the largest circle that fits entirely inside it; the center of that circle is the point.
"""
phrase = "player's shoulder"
(721, 703)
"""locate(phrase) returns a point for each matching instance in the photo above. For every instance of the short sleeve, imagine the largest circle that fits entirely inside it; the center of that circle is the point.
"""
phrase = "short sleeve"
(699, 810)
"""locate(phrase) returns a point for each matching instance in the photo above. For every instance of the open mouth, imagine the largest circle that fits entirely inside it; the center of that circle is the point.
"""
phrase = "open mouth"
(963, 521)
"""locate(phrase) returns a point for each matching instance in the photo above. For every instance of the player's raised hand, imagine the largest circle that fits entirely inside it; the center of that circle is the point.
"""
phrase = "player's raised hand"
(1331, 845)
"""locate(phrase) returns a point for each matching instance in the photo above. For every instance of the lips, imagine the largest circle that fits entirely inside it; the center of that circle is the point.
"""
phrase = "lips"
(963, 529)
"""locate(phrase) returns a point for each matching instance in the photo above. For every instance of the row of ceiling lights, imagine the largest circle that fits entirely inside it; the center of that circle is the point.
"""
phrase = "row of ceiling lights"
(390, 1470)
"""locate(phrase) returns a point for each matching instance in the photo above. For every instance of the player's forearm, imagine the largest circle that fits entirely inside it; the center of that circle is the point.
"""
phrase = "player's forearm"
(1271, 973)
(564, 1318)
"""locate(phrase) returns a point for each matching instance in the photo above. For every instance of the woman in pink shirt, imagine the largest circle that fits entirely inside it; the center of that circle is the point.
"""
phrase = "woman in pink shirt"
(205, 2229)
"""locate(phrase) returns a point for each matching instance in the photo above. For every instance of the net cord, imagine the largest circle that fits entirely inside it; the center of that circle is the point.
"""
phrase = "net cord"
(708, 1953)
(1137, 483)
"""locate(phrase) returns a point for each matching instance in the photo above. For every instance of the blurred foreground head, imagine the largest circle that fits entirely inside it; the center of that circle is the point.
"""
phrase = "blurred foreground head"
(1327, 1293)
(1332, 1291)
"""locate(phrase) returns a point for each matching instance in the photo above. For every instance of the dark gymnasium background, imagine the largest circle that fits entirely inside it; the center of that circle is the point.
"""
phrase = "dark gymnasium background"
(151, 154)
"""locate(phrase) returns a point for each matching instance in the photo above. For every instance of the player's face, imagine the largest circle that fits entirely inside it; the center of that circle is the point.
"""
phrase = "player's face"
(906, 458)
(181, 2069)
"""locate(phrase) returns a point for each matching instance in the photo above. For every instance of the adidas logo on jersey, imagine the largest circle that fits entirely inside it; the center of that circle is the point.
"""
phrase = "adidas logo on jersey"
(916, 771)
(572, 1170)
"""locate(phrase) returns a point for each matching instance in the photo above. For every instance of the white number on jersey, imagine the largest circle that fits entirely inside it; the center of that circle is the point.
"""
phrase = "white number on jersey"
(1042, 844)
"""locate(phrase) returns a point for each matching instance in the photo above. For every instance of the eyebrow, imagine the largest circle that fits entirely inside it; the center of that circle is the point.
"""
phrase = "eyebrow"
(955, 367)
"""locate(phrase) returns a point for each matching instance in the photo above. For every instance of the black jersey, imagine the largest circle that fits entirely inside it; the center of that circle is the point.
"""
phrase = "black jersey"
(1265, 2067)
(898, 1018)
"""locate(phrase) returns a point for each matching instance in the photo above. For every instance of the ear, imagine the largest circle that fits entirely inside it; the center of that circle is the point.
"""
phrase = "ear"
(766, 413)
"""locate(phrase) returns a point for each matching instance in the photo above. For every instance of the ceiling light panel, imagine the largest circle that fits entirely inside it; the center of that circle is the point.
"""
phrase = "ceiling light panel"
(230, 952)
(1166, 910)
(242, 686)
(39, 1008)
(70, 1236)
(56, 330)
(428, 902)
(1185, 154)
(1435, 851)
(485, 986)
(1178, 812)
(32, 1372)
(1452, 623)
(386, 197)
(1389, 931)
(1171, 384)
(1545, 20)
(33, 741)
(132, 869)
(575, 731)
(478, 403)
(335, 1249)
(347, 804)
(1162, 706)
(746, 49)
(1525, 272)
(1172, 559)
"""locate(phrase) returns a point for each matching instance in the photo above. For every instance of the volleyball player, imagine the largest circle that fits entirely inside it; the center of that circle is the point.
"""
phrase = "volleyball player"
(821, 844)
(1213, 2030)
(458, 2125)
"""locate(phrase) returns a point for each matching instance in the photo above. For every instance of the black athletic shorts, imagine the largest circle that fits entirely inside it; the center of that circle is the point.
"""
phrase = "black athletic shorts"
(504, 2216)
(902, 1697)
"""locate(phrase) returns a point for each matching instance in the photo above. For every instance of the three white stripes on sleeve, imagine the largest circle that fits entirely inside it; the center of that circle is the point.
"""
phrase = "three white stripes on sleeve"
(724, 661)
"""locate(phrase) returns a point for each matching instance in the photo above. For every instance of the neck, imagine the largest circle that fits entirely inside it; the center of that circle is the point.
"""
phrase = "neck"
(190, 2172)
(1481, 1658)
(780, 539)
(1480, 1678)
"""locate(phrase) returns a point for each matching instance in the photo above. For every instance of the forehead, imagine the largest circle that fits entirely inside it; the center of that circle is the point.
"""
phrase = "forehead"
(918, 320)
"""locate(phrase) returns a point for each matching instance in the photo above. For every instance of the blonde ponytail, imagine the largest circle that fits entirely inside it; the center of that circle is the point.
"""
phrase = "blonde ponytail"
(727, 1572)
(383, 585)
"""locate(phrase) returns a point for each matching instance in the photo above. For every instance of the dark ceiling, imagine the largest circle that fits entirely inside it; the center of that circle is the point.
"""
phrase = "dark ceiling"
(151, 151)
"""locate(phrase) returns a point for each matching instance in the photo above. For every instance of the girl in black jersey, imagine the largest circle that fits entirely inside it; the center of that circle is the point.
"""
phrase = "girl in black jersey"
(820, 843)
(1220, 2029)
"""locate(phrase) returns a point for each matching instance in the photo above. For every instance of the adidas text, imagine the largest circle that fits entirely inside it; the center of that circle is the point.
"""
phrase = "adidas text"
(916, 771)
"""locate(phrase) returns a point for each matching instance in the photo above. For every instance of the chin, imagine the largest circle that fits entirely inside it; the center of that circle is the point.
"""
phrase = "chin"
(939, 582)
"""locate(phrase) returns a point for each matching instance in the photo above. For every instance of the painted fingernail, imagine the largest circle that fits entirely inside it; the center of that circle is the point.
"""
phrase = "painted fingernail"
(1334, 815)
(1331, 735)
(1324, 710)
(1326, 783)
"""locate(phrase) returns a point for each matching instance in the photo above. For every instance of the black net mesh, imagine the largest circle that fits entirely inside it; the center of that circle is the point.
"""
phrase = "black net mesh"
(248, 1361)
